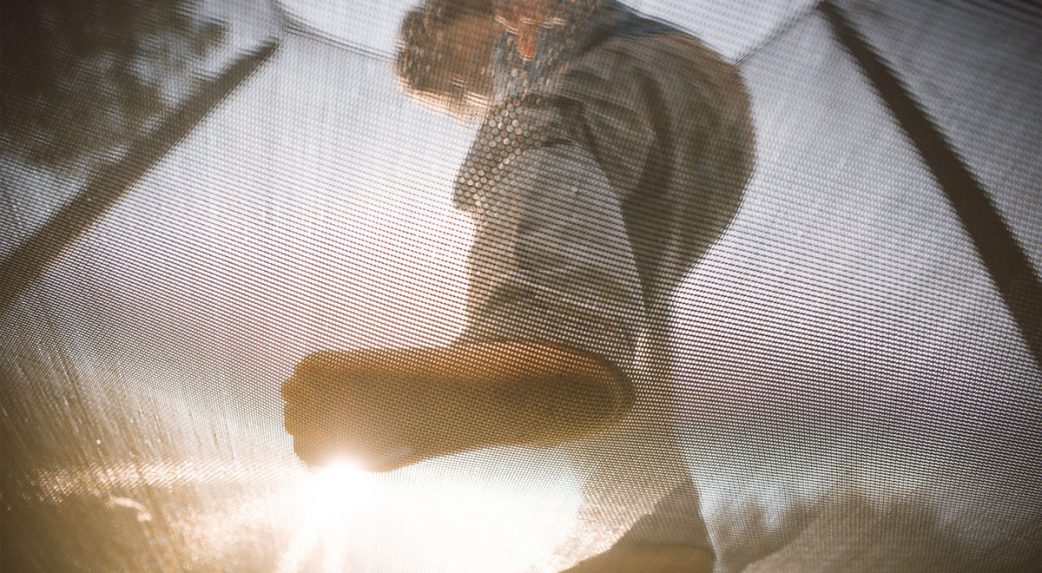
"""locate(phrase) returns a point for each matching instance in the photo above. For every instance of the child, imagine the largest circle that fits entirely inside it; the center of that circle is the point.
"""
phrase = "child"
(613, 151)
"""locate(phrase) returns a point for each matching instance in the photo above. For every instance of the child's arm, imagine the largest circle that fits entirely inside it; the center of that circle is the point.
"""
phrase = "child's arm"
(390, 408)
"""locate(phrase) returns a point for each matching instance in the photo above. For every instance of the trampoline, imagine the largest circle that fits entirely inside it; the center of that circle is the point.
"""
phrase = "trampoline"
(198, 194)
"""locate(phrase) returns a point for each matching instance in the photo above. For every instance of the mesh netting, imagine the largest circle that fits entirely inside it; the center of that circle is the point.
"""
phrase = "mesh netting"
(805, 246)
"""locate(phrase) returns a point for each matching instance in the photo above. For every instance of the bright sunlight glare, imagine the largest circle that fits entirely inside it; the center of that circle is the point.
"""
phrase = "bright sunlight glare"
(430, 517)
(348, 519)
(330, 500)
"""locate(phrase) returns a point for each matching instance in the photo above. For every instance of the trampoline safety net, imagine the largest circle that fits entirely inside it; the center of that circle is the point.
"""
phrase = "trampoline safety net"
(521, 285)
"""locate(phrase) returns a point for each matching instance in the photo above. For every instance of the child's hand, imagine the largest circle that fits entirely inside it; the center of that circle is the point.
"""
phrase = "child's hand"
(345, 405)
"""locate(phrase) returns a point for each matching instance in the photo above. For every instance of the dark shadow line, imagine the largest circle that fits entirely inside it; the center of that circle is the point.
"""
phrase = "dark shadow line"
(1024, 7)
(297, 27)
(1009, 267)
(302, 29)
(111, 182)
(776, 33)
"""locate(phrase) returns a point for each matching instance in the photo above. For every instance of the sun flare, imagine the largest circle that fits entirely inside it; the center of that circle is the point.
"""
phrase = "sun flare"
(330, 501)
(430, 517)
(343, 486)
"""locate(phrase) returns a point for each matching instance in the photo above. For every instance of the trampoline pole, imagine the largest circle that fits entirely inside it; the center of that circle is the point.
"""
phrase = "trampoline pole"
(1009, 267)
(111, 182)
